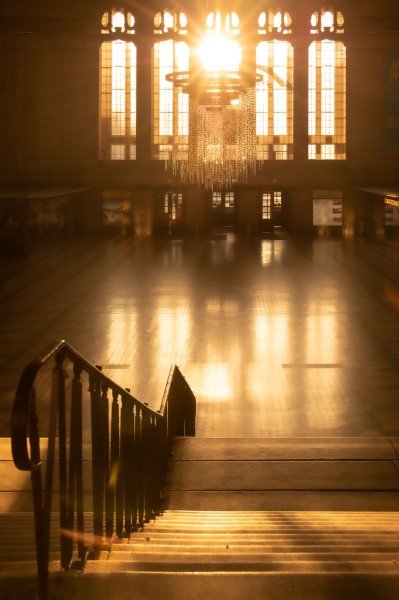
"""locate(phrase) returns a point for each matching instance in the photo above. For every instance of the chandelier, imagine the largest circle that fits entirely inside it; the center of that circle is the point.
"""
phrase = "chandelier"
(222, 112)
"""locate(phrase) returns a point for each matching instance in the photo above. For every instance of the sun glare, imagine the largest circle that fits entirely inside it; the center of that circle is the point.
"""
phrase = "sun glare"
(218, 53)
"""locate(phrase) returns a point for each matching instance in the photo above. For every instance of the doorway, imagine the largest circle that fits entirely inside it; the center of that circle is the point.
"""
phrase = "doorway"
(271, 211)
(222, 209)
(169, 213)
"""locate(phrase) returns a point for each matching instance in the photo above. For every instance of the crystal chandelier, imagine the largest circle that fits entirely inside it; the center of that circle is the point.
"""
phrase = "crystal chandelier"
(222, 114)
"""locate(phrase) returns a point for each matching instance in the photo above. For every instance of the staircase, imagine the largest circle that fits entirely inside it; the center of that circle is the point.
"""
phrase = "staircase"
(260, 542)
(262, 518)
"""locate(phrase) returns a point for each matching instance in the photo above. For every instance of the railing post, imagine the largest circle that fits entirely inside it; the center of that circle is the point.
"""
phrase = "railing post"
(120, 484)
(66, 545)
(97, 471)
(114, 480)
(76, 466)
(41, 534)
(139, 465)
(133, 467)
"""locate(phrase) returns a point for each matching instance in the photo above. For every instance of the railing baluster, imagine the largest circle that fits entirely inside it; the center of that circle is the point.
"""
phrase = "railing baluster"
(41, 530)
(119, 489)
(97, 479)
(106, 459)
(127, 468)
(139, 466)
(133, 475)
(77, 456)
(112, 487)
(62, 451)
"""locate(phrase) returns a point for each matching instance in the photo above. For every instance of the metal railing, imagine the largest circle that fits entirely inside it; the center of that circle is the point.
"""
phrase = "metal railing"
(112, 452)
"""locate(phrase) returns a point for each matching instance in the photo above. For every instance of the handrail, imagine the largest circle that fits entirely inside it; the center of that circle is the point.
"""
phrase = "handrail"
(129, 443)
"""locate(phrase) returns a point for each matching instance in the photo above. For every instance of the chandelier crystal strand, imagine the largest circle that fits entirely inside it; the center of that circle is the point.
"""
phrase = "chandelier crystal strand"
(221, 145)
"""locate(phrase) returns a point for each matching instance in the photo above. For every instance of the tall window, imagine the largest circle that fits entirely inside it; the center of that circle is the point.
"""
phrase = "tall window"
(170, 104)
(117, 87)
(274, 95)
(327, 88)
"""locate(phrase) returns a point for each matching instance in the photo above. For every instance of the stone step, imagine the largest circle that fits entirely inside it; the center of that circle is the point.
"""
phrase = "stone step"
(211, 564)
(309, 448)
(244, 554)
(301, 547)
(288, 500)
(212, 586)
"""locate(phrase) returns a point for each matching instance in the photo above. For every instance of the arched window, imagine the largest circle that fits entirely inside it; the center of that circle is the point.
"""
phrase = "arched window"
(117, 86)
(327, 87)
(274, 95)
(170, 104)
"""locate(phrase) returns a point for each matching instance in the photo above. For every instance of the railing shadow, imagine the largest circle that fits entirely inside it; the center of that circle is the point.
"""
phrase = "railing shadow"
(112, 452)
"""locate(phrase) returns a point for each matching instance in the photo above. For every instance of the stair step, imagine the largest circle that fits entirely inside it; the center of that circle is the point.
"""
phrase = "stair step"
(379, 545)
(242, 554)
(247, 565)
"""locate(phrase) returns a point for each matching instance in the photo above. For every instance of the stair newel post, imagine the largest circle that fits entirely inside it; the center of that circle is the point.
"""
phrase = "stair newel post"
(158, 463)
(97, 472)
(116, 452)
(188, 406)
(66, 545)
(76, 461)
(112, 483)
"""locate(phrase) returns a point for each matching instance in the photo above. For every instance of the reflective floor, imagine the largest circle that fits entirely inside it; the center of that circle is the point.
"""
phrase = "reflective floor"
(276, 337)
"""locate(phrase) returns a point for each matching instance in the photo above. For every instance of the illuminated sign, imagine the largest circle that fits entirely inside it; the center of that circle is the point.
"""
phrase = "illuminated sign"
(391, 201)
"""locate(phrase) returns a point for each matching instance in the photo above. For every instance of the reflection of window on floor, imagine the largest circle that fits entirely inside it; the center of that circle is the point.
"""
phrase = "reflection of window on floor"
(173, 205)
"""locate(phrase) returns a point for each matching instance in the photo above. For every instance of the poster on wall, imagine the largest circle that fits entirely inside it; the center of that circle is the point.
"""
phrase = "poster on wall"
(327, 208)
(391, 103)
(116, 212)
(391, 212)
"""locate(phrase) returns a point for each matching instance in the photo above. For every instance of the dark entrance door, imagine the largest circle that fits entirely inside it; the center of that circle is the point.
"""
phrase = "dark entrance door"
(169, 213)
(271, 211)
(222, 209)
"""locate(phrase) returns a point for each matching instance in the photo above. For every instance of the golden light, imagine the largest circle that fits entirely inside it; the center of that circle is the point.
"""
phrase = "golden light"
(218, 53)
(222, 138)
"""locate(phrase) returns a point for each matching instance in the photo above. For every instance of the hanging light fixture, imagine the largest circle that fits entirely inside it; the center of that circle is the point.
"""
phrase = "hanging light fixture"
(222, 110)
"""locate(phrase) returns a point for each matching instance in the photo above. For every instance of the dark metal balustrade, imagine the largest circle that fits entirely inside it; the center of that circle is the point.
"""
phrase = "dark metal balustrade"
(128, 446)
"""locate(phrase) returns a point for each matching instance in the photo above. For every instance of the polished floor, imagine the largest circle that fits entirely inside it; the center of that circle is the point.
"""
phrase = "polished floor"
(276, 337)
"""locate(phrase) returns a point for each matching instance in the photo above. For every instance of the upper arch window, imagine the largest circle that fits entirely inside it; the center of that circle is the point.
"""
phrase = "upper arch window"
(167, 22)
(327, 21)
(217, 23)
(117, 21)
(274, 22)
(327, 87)
(118, 81)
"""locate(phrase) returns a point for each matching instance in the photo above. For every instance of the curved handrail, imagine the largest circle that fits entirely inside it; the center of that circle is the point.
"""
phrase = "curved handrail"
(21, 407)
(130, 443)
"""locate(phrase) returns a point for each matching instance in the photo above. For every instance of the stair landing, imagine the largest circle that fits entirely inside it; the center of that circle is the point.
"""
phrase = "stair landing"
(284, 474)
